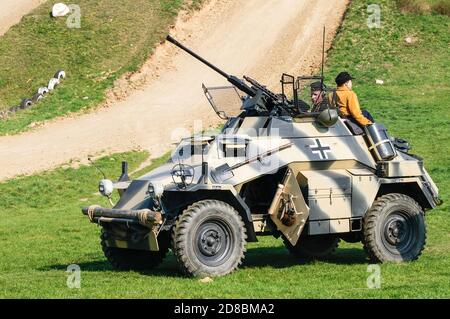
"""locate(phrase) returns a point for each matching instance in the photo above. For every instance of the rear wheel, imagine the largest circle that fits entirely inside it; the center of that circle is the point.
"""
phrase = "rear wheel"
(313, 247)
(209, 239)
(394, 229)
(132, 259)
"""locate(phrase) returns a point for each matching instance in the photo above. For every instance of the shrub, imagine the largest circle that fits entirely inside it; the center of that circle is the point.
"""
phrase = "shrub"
(442, 7)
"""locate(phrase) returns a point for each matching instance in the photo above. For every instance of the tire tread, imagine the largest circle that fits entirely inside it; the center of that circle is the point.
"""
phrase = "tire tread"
(370, 222)
(182, 227)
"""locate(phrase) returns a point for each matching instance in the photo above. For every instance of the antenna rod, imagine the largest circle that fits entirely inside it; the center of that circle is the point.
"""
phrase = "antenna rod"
(92, 163)
(323, 51)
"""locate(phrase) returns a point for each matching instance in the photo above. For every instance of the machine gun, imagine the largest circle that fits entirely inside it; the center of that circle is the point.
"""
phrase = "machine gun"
(261, 99)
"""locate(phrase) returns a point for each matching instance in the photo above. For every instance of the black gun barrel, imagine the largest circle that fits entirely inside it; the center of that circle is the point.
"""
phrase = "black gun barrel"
(232, 79)
(195, 55)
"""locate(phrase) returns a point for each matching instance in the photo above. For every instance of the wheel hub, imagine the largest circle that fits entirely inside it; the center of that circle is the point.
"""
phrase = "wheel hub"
(395, 231)
(213, 242)
(210, 242)
(399, 232)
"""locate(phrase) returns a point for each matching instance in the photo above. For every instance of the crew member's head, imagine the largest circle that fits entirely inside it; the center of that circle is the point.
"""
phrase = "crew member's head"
(344, 78)
(316, 92)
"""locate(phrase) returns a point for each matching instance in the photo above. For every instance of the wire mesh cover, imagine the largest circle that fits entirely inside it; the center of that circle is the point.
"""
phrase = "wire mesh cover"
(226, 100)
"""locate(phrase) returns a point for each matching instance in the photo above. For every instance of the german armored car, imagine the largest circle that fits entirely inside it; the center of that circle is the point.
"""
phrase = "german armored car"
(272, 170)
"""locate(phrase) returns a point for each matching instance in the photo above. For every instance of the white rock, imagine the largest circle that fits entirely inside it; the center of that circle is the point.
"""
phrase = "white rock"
(408, 40)
(60, 10)
(206, 280)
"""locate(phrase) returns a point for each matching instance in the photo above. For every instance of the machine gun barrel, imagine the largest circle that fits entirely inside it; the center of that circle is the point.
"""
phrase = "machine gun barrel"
(231, 78)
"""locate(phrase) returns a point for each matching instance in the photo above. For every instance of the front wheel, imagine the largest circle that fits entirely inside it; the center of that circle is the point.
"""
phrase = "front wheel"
(209, 239)
(394, 229)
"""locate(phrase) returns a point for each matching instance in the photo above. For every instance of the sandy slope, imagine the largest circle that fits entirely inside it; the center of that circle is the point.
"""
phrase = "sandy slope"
(260, 38)
(11, 11)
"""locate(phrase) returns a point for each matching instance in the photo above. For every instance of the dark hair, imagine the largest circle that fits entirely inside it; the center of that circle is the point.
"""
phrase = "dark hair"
(342, 78)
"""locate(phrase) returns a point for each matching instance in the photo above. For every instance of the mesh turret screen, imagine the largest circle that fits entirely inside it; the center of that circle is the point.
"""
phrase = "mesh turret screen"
(226, 100)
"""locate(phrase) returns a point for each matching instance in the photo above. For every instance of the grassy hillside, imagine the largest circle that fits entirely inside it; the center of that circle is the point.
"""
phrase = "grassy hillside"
(43, 230)
(114, 37)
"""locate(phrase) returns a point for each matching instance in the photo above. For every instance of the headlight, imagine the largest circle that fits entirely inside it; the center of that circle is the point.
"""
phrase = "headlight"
(155, 189)
(105, 187)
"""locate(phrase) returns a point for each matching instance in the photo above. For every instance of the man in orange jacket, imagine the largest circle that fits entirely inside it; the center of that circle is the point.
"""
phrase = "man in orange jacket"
(347, 101)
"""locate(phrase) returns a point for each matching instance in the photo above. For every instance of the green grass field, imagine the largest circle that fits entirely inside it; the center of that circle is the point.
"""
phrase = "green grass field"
(114, 37)
(43, 230)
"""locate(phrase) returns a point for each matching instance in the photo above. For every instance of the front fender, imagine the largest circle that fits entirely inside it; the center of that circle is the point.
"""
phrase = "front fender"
(175, 201)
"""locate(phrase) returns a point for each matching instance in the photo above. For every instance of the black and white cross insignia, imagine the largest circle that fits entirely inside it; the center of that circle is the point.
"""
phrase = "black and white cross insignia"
(321, 150)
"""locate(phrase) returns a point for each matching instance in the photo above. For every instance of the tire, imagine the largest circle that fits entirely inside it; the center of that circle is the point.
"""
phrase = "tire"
(60, 75)
(25, 104)
(394, 229)
(42, 90)
(52, 84)
(36, 97)
(209, 239)
(132, 259)
(14, 109)
(313, 247)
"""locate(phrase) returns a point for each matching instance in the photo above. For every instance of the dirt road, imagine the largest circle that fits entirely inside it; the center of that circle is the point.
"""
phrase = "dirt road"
(11, 11)
(259, 38)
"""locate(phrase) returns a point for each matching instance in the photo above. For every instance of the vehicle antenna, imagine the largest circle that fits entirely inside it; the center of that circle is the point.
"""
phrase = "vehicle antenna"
(90, 160)
(323, 52)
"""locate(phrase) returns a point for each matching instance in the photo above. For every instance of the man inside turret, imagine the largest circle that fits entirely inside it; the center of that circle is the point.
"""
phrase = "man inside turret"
(319, 101)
